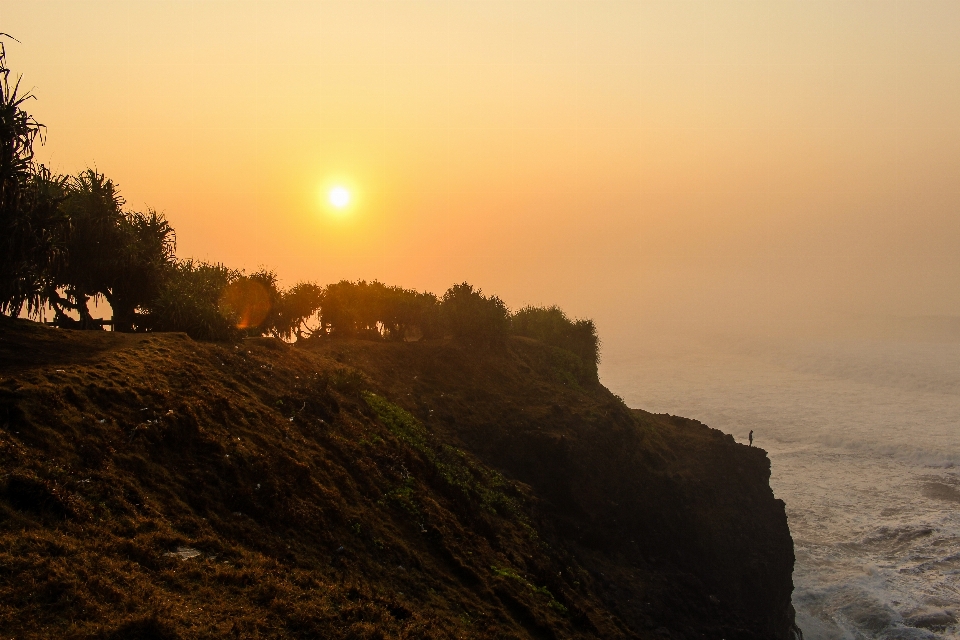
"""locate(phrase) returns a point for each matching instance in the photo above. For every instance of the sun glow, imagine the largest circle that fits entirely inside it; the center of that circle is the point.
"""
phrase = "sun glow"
(339, 197)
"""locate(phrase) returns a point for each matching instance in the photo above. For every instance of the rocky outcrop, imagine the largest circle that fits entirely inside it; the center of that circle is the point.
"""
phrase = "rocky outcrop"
(675, 520)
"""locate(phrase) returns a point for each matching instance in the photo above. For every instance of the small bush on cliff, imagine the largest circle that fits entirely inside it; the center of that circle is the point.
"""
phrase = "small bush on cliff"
(551, 326)
(254, 300)
(469, 315)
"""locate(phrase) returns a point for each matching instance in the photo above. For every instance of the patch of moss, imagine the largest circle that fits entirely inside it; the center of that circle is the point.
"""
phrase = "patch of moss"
(402, 495)
(482, 485)
(346, 380)
(400, 423)
(505, 572)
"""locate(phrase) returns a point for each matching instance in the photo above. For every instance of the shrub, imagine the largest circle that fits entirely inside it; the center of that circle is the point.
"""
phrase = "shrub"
(469, 315)
(550, 325)
(254, 301)
(190, 301)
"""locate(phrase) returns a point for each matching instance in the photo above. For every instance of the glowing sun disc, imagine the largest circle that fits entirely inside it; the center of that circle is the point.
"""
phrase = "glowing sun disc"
(339, 197)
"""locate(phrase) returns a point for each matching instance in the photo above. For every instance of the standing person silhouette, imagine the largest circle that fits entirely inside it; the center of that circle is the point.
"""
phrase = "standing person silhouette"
(750, 437)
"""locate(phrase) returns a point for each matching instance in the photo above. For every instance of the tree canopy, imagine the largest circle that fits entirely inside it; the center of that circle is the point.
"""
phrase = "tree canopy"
(551, 326)
(67, 240)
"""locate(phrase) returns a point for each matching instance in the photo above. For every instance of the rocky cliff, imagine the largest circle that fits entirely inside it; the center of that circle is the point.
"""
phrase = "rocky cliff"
(156, 487)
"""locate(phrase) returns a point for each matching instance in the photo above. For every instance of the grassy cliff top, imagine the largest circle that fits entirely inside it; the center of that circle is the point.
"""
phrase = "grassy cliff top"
(157, 487)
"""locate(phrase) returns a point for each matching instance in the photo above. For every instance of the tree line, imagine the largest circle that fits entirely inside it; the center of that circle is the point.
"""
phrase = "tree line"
(68, 240)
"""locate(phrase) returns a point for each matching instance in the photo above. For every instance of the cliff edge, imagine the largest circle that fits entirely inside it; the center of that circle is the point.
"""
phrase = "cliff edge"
(156, 487)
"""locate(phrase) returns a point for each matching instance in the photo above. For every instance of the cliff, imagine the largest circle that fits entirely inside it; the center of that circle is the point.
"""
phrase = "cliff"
(156, 487)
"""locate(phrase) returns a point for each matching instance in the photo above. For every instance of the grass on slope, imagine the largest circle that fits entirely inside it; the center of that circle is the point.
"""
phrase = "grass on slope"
(318, 508)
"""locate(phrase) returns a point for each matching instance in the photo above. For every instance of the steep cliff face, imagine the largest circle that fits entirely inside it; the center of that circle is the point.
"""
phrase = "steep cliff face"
(156, 487)
(676, 520)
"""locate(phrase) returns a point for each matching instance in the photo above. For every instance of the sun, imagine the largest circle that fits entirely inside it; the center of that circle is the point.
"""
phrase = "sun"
(339, 197)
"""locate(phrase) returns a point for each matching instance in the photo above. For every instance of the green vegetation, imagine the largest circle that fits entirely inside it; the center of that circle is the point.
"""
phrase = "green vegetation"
(189, 301)
(66, 239)
(375, 311)
(29, 215)
(550, 325)
(478, 483)
(297, 306)
(120, 255)
(510, 574)
(470, 315)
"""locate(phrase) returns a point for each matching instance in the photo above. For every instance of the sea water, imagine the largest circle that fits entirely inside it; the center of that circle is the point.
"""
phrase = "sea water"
(864, 443)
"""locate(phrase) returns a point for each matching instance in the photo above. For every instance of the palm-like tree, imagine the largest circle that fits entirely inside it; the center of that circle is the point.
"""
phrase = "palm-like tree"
(31, 224)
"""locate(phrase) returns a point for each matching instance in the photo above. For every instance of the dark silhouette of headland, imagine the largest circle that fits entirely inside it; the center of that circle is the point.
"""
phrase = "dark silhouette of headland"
(353, 460)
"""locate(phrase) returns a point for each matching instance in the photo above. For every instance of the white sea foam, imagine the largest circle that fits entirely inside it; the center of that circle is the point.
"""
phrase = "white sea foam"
(864, 438)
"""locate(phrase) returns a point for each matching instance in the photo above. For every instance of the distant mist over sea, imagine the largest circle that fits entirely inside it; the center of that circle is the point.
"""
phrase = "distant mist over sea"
(862, 424)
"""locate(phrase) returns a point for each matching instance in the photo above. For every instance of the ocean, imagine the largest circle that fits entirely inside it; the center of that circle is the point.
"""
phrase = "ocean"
(864, 442)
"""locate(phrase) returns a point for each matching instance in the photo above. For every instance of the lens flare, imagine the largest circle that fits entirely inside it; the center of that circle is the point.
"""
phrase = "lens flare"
(246, 301)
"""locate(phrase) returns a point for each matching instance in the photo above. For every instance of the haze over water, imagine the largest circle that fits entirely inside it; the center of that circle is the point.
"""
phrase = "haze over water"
(862, 436)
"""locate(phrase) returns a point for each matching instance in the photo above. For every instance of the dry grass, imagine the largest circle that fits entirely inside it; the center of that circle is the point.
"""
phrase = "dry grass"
(313, 519)
(346, 489)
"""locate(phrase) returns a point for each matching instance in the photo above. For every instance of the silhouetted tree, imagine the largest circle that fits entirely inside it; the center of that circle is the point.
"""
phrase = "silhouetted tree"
(412, 315)
(122, 256)
(469, 315)
(349, 310)
(551, 326)
(143, 263)
(93, 211)
(374, 311)
(31, 224)
(298, 306)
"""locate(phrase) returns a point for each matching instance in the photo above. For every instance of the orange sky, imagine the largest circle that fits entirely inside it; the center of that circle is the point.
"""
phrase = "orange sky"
(625, 159)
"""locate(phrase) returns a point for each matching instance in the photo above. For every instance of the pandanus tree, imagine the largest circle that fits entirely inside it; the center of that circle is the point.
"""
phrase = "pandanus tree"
(64, 240)
(144, 261)
(31, 224)
(299, 308)
(93, 208)
(122, 256)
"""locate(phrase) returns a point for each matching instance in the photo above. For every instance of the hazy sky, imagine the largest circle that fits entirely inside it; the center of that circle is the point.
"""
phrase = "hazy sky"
(624, 159)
